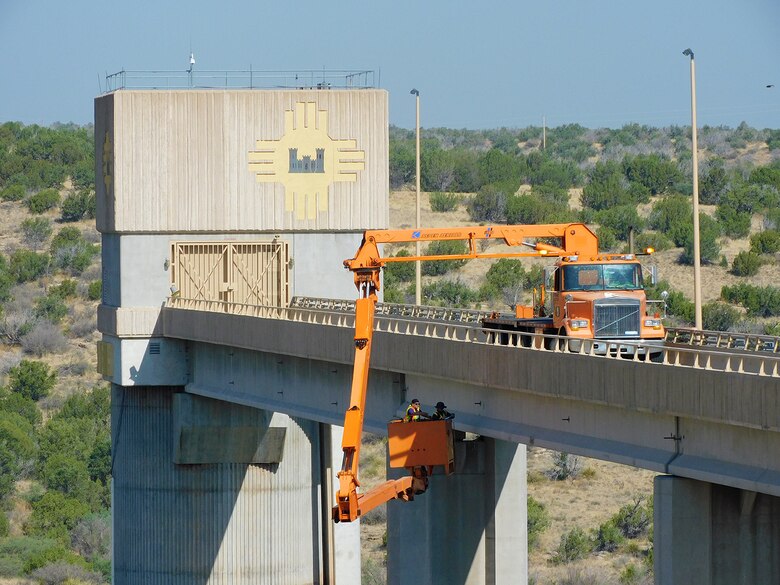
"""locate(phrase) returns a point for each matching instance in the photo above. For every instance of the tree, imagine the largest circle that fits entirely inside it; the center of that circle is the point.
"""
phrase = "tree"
(27, 265)
(655, 172)
(489, 204)
(31, 379)
(713, 184)
(43, 201)
(605, 187)
(673, 217)
(443, 248)
(734, 224)
(78, 205)
(709, 230)
(621, 220)
(55, 514)
(538, 521)
(746, 263)
(36, 230)
(496, 166)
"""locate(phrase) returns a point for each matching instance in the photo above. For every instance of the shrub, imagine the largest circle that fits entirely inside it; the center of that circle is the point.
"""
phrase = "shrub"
(394, 271)
(654, 240)
(444, 248)
(43, 201)
(653, 171)
(607, 537)
(66, 573)
(746, 264)
(66, 474)
(449, 293)
(54, 515)
(31, 379)
(719, 316)
(766, 242)
(574, 545)
(70, 251)
(633, 520)
(78, 206)
(27, 265)
(538, 521)
(65, 289)
(9, 468)
(35, 231)
(532, 209)
(83, 324)
(607, 238)
(91, 537)
(44, 337)
(15, 551)
(606, 187)
(507, 275)
(759, 301)
(621, 220)
(708, 241)
(50, 307)
(489, 204)
(565, 466)
(734, 224)
(673, 217)
(95, 289)
(23, 406)
(13, 193)
(15, 325)
(443, 202)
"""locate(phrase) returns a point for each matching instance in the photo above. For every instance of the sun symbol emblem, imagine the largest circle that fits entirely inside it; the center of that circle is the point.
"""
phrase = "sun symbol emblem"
(306, 160)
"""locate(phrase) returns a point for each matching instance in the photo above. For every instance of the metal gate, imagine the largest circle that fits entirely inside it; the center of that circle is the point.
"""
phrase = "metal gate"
(250, 273)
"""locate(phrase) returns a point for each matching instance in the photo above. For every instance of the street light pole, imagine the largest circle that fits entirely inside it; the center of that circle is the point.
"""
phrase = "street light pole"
(696, 238)
(417, 265)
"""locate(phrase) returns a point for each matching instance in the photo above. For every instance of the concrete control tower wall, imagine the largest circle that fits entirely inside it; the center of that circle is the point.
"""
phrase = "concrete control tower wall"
(232, 196)
(241, 160)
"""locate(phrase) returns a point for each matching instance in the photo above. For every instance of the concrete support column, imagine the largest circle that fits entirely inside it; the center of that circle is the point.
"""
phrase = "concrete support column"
(212, 521)
(709, 534)
(469, 528)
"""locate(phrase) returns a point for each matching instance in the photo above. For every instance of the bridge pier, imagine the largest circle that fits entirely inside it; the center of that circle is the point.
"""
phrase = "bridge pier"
(208, 492)
(468, 528)
(710, 534)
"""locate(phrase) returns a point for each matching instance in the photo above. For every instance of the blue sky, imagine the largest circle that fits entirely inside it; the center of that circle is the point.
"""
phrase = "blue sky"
(477, 65)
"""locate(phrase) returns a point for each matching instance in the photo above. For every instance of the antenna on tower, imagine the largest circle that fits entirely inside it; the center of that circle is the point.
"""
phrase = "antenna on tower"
(192, 66)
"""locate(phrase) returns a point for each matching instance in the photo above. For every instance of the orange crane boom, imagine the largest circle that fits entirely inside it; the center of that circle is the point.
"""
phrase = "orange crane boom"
(576, 238)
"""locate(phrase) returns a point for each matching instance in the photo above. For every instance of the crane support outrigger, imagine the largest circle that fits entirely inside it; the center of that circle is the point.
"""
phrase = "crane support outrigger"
(366, 266)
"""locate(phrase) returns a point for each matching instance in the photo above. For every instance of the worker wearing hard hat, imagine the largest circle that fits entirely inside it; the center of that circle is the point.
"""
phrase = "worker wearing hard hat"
(414, 412)
(441, 412)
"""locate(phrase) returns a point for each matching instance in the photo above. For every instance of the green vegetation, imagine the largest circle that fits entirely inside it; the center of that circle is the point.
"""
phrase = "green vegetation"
(64, 462)
(43, 200)
(444, 248)
(538, 521)
(443, 202)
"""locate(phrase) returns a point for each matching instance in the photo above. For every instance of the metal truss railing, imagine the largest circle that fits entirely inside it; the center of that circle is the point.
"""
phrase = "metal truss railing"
(242, 79)
(338, 314)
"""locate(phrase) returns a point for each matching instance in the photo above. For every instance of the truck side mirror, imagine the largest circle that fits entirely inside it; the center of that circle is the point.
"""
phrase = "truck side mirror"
(654, 275)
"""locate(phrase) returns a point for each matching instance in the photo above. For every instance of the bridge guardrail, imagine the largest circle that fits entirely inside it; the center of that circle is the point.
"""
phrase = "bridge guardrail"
(339, 315)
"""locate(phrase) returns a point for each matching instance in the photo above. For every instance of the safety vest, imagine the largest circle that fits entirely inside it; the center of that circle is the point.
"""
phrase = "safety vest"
(411, 417)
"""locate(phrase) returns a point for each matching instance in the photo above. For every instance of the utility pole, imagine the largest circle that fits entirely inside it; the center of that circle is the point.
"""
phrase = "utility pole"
(417, 264)
(696, 235)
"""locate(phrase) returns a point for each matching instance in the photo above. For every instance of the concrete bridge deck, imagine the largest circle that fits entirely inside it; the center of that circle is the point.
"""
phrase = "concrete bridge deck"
(710, 415)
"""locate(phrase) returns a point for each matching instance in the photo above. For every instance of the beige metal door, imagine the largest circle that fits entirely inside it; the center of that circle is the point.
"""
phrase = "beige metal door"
(251, 273)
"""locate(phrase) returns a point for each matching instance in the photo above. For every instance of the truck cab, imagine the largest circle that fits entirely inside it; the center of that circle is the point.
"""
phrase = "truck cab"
(603, 299)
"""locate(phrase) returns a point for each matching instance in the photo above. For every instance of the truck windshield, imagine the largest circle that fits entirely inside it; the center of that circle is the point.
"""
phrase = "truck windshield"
(602, 277)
